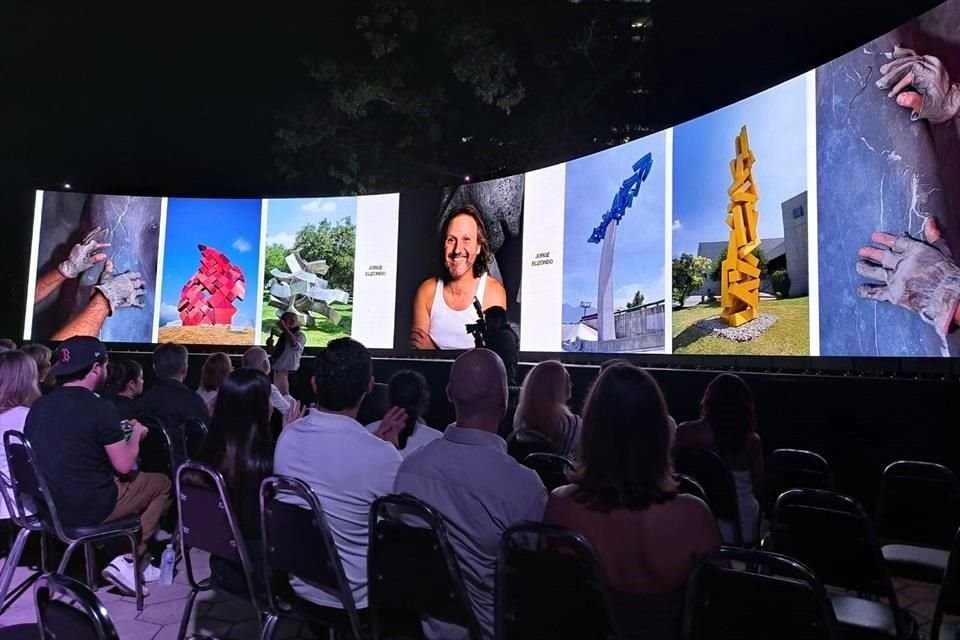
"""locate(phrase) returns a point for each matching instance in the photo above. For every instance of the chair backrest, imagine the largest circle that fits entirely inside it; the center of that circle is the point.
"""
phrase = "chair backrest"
(67, 608)
(156, 450)
(832, 535)
(522, 442)
(550, 584)
(208, 522)
(708, 469)
(194, 432)
(375, 404)
(551, 468)
(772, 597)
(948, 602)
(796, 469)
(689, 486)
(29, 489)
(412, 570)
(919, 503)
(290, 515)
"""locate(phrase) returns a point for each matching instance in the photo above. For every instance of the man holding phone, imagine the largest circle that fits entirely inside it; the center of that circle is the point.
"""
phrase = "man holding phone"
(288, 351)
(88, 459)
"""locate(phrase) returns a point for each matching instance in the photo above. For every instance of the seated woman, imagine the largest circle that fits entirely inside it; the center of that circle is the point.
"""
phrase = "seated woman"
(239, 446)
(18, 391)
(543, 407)
(625, 502)
(728, 426)
(215, 369)
(124, 385)
(42, 355)
(408, 390)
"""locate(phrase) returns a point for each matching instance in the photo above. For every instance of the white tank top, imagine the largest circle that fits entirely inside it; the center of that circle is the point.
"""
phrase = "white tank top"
(448, 327)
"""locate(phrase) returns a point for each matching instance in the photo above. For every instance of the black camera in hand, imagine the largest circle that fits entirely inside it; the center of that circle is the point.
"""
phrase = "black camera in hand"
(478, 329)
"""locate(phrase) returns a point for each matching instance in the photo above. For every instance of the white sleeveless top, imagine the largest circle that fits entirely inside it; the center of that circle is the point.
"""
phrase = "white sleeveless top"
(448, 328)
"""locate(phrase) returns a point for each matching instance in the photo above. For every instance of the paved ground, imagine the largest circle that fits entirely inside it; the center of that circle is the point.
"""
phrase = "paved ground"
(225, 617)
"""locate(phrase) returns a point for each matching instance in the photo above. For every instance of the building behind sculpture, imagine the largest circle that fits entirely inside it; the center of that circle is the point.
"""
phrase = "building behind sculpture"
(795, 243)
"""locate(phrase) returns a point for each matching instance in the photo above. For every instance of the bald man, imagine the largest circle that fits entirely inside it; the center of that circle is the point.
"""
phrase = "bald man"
(469, 478)
(257, 358)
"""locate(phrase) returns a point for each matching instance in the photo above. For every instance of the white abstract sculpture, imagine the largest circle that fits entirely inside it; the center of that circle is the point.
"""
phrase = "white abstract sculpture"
(303, 291)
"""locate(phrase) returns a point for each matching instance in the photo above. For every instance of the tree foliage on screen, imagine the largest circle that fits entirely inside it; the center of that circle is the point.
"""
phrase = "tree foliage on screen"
(761, 257)
(334, 243)
(689, 274)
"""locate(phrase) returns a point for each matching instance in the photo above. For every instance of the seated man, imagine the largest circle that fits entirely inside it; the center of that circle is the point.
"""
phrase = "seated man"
(468, 477)
(87, 459)
(346, 466)
(257, 358)
(168, 400)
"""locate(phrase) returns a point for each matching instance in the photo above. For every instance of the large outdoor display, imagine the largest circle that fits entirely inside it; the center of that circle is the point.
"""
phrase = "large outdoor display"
(818, 217)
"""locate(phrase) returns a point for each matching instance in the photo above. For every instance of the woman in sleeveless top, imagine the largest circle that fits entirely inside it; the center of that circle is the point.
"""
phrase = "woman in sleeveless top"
(543, 407)
(443, 307)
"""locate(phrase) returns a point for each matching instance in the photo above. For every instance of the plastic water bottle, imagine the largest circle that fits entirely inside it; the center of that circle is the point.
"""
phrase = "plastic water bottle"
(167, 562)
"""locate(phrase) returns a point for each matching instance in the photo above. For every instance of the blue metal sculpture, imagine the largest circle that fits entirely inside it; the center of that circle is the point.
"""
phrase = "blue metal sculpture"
(624, 197)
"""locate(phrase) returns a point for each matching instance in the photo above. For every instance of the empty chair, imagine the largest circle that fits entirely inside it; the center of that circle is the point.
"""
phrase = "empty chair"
(285, 524)
(709, 470)
(948, 603)
(918, 512)
(156, 450)
(689, 486)
(551, 468)
(831, 534)
(208, 522)
(66, 608)
(31, 495)
(550, 585)
(796, 469)
(413, 572)
(774, 597)
(194, 432)
(522, 442)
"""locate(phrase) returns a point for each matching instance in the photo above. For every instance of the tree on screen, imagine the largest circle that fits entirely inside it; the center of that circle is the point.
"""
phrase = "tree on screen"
(689, 274)
(760, 255)
(637, 301)
(275, 257)
(333, 243)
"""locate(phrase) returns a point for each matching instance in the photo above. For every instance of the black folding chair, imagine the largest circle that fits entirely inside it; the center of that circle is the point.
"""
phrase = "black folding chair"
(832, 535)
(796, 469)
(709, 470)
(290, 514)
(948, 602)
(26, 523)
(689, 486)
(551, 468)
(550, 585)
(413, 571)
(194, 433)
(31, 495)
(918, 512)
(522, 442)
(156, 450)
(66, 608)
(773, 597)
(208, 522)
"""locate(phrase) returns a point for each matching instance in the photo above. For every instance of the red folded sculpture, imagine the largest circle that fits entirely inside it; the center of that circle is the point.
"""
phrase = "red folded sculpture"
(208, 296)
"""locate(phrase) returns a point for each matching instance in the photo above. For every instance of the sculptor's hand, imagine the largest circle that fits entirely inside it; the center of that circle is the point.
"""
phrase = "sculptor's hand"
(122, 289)
(85, 254)
(936, 99)
(919, 276)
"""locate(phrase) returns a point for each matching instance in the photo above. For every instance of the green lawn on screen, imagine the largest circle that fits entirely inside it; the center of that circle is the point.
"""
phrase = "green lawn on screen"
(790, 336)
(321, 333)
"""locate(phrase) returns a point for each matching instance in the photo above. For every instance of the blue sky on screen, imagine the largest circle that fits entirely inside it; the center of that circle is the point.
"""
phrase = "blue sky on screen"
(591, 184)
(703, 149)
(230, 226)
(286, 216)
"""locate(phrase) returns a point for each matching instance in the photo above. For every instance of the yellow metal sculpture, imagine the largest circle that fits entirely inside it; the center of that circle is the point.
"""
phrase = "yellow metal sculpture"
(740, 273)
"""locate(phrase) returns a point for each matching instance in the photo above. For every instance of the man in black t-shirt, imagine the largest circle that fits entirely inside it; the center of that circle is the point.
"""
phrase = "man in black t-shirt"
(88, 458)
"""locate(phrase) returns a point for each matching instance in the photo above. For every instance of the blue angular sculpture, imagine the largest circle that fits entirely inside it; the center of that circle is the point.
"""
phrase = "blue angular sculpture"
(624, 197)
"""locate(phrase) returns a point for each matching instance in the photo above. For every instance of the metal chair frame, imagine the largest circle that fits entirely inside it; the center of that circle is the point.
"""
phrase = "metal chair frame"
(80, 597)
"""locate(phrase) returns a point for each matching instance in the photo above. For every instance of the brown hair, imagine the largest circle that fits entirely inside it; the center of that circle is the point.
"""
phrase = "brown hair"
(215, 369)
(543, 399)
(484, 254)
(624, 446)
(728, 408)
(18, 380)
(42, 355)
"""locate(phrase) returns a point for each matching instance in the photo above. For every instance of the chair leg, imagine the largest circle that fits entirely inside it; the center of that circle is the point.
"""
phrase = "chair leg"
(137, 573)
(44, 551)
(185, 620)
(65, 560)
(269, 627)
(10, 564)
(91, 565)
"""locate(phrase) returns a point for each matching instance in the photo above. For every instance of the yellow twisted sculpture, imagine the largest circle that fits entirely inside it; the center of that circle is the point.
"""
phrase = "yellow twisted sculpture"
(740, 274)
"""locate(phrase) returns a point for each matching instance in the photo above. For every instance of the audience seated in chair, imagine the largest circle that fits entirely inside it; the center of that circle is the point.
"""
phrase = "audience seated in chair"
(468, 477)
(124, 384)
(408, 390)
(42, 355)
(18, 392)
(257, 358)
(543, 407)
(88, 460)
(215, 369)
(624, 501)
(345, 466)
(728, 426)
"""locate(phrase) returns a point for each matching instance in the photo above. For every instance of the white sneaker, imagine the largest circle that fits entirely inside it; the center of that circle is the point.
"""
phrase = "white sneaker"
(150, 572)
(120, 573)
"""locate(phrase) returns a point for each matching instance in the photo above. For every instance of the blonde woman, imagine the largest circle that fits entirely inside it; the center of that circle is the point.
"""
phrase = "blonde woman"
(18, 390)
(543, 407)
(215, 370)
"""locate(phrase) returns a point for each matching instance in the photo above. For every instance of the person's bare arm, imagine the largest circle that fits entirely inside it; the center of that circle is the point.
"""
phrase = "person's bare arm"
(123, 455)
(495, 295)
(88, 322)
(420, 331)
(47, 284)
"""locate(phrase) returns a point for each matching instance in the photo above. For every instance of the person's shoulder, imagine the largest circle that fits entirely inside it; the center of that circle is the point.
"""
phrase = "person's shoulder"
(687, 508)
(14, 417)
(426, 289)
(494, 288)
(373, 426)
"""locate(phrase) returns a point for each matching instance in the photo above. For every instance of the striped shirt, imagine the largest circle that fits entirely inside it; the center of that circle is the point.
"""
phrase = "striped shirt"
(568, 441)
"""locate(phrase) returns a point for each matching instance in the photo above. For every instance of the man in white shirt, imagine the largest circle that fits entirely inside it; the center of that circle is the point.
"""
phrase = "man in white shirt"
(469, 478)
(347, 467)
(257, 358)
